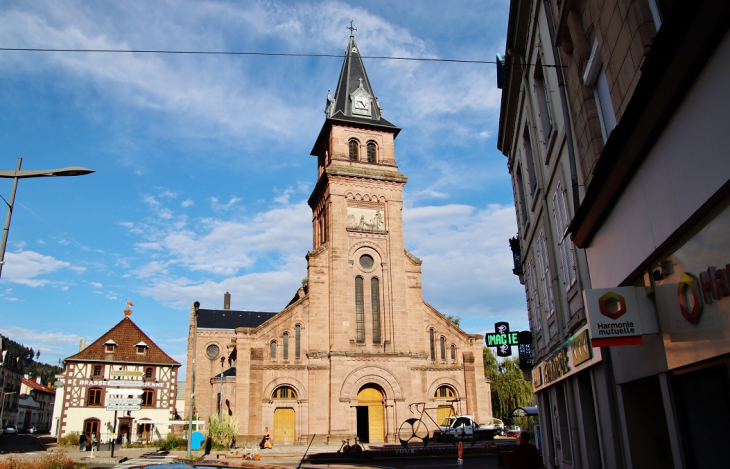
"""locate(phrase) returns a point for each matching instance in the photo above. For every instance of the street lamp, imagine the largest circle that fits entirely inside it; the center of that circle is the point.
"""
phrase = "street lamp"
(196, 306)
(2, 407)
(220, 398)
(18, 174)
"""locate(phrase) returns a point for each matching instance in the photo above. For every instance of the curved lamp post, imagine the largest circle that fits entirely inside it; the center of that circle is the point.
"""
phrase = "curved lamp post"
(39, 173)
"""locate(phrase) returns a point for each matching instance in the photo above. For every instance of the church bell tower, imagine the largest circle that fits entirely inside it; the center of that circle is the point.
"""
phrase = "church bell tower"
(359, 271)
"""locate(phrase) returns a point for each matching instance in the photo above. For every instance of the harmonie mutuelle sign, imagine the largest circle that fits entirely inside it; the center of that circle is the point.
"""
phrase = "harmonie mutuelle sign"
(614, 316)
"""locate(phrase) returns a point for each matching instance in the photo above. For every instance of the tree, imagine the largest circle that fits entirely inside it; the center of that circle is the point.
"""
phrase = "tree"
(456, 320)
(509, 388)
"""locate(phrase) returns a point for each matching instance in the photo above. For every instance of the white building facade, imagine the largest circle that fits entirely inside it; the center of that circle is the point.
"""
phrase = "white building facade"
(124, 378)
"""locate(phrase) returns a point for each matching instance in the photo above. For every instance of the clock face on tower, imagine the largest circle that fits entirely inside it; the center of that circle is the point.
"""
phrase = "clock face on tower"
(361, 105)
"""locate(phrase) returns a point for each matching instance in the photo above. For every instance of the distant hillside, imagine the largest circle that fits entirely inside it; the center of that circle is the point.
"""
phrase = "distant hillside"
(28, 356)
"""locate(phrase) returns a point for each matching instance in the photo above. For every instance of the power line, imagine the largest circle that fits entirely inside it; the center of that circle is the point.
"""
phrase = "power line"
(265, 54)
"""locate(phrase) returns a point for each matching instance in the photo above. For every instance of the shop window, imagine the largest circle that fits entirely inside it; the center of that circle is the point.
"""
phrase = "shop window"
(144, 431)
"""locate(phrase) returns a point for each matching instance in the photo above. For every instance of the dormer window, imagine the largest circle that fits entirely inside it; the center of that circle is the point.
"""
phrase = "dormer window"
(110, 346)
(141, 348)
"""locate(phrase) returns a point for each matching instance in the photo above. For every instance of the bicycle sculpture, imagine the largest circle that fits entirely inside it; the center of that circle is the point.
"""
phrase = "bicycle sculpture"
(415, 430)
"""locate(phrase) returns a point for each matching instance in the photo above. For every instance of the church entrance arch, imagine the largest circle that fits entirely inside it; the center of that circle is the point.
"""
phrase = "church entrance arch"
(370, 415)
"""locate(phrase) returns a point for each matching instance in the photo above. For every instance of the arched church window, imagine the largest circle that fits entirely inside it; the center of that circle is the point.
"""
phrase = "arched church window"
(375, 300)
(359, 310)
(443, 348)
(273, 350)
(285, 346)
(284, 393)
(444, 392)
(453, 352)
(372, 158)
(297, 341)
(354, 149)
(433, 345)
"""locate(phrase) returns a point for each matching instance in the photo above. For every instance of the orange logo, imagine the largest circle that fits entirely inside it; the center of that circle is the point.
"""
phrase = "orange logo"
(612, 305)
(690, 302)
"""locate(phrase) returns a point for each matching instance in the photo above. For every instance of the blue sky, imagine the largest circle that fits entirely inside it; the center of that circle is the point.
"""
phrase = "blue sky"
(202, 162)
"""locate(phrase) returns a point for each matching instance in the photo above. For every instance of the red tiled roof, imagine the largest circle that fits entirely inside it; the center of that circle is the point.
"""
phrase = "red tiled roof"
(38, 387)
(126, 334)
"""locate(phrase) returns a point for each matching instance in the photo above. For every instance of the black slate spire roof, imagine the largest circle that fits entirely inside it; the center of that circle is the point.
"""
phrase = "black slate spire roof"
(354, 101)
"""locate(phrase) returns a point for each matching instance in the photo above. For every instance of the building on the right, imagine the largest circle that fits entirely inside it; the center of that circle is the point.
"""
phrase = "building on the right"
(615, 120)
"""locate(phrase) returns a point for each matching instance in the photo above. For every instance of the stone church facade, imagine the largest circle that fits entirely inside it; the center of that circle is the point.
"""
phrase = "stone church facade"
(357, 344)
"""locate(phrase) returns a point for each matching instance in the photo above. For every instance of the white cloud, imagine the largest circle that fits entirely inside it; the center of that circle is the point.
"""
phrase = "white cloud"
(95, 284)
(186, 203)
(26, 267)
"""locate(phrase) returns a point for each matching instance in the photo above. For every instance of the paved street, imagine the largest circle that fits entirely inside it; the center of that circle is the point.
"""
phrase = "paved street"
(320, 456)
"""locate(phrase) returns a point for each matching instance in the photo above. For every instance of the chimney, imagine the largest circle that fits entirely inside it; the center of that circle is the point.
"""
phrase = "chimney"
(227, 300)
(38, 380)
(82, 344)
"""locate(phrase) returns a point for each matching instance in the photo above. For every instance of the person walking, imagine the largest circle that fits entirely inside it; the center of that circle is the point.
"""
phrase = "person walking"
(82, 442)
(525, 455)
(266, 440)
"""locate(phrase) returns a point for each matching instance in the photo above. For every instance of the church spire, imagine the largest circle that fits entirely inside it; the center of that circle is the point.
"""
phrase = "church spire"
(354, 96)
(354, 103)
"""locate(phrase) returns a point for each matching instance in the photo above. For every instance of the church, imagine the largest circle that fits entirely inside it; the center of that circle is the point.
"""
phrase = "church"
(357, 345)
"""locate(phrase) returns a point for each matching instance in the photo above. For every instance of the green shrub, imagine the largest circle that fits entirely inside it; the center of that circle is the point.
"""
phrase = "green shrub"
(173, 442)
(221, 432)
(72, 439)
(53, 460)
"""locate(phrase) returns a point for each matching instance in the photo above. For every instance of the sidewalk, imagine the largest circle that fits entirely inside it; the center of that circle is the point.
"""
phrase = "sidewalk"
(316, 454)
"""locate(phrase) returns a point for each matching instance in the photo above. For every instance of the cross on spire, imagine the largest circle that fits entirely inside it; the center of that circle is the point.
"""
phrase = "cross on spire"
(351, 28)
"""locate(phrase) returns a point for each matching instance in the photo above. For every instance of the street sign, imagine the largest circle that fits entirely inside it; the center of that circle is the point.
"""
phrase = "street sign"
(125, 392)
(123, 408)
(125, 382)
(127, 373)
(123, 401)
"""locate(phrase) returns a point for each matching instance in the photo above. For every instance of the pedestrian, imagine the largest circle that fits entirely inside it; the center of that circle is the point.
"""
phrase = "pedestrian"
(525, 455)
(82, 442)
(266, 440)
